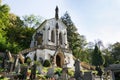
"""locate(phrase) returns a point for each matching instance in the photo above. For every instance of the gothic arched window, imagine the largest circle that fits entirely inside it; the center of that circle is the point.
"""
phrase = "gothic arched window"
(38, 38)
(52, 36)
(60, 38)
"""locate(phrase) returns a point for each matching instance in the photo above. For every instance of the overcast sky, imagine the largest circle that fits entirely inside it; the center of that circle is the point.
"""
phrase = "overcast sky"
(96, 19)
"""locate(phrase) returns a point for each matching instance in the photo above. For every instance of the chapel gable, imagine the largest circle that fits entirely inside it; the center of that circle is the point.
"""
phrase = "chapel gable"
(51, 32)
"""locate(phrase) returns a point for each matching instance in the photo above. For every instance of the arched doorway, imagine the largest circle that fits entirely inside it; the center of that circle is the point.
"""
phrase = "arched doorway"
(59, 59)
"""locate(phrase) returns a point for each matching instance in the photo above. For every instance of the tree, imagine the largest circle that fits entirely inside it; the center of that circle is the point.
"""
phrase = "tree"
(4, 21)
(14, 35)
(32, 21)
(108, 57)
(4, 25)
(14, 29)
(75, 40)
(67, 21)
(97, 57)
(2, 42)
(18, 36)
(115, 51)
(4, 15)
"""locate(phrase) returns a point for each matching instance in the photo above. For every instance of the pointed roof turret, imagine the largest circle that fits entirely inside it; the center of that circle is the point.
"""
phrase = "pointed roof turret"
(56, 13)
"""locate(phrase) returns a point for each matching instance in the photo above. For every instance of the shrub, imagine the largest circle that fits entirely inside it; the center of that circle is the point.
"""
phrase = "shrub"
(41, 77)
(117, 62)
(46, 63)
(58, 71)
(37, 63)
(70, 72)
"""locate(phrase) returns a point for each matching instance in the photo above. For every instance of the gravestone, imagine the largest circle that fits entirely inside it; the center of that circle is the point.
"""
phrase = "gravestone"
(64, 75)
(77, 74)
(33, 72)
(18, 68)
(10, 66)
(88, 76)
(2, 63)
(23, 72)
(33, 69)
(9, 62)
(16, 61)
(100, 72)
(56, 76)
(39, 68)
(50, 72)
(10, 56)
(4, 60)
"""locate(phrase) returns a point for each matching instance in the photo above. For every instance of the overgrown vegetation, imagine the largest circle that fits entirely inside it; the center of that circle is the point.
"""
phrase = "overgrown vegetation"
(46, 63)
(15, 35)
